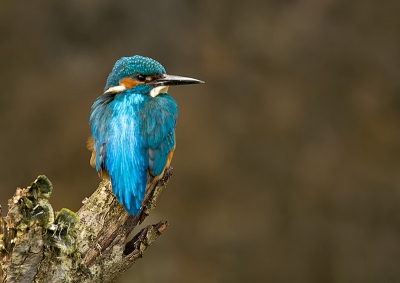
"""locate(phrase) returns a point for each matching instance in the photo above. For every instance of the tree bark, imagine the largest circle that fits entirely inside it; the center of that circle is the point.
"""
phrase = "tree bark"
(87, 246)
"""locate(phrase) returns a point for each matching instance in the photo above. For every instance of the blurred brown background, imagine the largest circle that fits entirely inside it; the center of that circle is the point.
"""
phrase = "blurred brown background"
(288, 158)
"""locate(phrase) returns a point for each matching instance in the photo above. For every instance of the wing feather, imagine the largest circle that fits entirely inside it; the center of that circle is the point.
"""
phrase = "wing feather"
(159, 119)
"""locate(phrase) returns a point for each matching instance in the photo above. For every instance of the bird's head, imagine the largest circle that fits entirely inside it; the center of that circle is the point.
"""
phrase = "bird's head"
(144, 75)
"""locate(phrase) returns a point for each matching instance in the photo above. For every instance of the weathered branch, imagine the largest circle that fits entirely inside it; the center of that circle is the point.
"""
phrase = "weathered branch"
(89, 246)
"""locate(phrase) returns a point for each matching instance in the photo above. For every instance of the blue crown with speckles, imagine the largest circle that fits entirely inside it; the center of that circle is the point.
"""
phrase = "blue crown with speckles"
(127, 66)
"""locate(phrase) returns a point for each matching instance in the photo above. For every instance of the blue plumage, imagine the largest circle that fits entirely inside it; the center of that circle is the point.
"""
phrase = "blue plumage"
(132, 126)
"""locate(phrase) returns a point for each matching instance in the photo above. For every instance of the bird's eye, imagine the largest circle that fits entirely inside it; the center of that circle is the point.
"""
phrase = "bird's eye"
(141, 78)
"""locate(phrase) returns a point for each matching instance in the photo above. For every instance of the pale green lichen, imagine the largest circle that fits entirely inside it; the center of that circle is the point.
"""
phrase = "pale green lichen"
(41, 187)
(62, 233)
(32, 205)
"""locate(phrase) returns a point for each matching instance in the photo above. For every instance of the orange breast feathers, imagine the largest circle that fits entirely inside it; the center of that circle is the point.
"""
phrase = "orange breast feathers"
(90, 146)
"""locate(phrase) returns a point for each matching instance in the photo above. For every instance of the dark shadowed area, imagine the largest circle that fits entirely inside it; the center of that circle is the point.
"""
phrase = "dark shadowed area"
(287, 166)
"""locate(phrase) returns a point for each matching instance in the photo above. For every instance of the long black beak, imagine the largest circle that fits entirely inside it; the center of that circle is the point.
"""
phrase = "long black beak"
(167, 80)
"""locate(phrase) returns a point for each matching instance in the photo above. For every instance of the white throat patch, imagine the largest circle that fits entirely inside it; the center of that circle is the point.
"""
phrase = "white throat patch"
(158, 89)
(115, 89)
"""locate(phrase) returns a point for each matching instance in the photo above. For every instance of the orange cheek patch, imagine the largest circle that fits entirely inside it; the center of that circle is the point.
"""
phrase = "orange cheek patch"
(129, 83)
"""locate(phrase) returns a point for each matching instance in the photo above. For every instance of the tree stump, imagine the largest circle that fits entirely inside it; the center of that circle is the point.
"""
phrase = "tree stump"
(87, 246)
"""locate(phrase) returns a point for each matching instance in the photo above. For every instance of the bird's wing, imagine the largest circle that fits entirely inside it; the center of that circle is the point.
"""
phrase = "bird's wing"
(161, 113)
(160, 156)
(99, 116)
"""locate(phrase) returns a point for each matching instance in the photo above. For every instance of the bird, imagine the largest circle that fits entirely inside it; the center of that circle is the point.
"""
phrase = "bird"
(133, 127)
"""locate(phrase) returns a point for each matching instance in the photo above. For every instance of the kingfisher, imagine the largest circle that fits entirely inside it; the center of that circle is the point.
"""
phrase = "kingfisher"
(133, 127)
